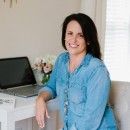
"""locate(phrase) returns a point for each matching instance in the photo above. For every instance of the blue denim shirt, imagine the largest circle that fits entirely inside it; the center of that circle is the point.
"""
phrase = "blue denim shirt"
(83, 94)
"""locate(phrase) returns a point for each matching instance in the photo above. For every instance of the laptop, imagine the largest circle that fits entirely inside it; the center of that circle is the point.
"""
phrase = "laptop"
(17, 77)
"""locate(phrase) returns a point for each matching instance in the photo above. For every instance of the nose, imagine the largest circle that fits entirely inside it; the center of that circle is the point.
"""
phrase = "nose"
(73, 38)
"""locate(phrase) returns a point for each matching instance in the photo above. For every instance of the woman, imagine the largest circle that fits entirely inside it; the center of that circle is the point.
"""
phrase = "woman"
(79, 79)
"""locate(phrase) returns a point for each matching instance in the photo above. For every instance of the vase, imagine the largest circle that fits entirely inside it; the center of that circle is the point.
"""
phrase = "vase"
(45, 78)
(38, 76)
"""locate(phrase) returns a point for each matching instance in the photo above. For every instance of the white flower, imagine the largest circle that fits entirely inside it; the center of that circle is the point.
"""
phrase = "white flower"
(49, 59)
(37, 63)
(44, 64)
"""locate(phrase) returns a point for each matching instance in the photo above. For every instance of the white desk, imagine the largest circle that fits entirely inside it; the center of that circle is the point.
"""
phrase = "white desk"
(24, 108)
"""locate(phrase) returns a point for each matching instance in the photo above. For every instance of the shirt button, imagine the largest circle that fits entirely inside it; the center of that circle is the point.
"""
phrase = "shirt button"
(65, 110)
(65, 91)
(66, 103)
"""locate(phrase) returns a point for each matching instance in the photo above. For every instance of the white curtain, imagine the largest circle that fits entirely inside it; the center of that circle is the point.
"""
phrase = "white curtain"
(117, 39)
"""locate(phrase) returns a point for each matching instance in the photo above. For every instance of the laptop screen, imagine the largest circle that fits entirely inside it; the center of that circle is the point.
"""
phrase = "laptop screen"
(15, 72)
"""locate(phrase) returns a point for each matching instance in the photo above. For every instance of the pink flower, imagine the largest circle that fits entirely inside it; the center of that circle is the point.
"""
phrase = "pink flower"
(44, 65)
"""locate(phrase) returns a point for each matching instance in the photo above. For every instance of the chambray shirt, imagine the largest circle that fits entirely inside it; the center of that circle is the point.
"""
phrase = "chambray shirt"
(83, 94)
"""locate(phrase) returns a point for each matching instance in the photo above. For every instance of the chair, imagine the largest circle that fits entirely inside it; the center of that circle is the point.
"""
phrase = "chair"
(120, 102)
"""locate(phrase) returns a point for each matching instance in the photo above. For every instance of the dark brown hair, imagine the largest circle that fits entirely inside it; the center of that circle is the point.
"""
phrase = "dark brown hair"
(89, 31)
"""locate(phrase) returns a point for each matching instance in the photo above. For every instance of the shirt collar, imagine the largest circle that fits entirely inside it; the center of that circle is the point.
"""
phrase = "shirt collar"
(85, 60)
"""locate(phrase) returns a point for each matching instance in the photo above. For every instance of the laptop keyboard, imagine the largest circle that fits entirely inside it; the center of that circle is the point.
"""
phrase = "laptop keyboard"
(21, 91)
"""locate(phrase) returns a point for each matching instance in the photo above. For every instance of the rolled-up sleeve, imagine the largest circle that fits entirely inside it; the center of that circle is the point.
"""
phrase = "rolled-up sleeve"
(98, 88)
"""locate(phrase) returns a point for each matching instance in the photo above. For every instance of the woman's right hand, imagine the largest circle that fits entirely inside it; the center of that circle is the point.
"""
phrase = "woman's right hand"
(41, 111)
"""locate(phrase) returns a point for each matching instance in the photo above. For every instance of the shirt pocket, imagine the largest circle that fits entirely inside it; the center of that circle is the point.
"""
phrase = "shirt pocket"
(77, 100)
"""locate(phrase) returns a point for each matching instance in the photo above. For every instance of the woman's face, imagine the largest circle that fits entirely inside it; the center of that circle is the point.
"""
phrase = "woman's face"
(74, 39)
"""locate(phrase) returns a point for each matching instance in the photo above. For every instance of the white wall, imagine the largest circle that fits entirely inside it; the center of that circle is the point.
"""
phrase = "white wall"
(33, 27)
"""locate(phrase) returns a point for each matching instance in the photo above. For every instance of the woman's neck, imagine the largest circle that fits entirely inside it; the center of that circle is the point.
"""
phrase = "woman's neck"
(75, 61)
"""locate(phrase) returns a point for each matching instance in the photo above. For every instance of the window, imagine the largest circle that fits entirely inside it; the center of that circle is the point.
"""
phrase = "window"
(117, 39)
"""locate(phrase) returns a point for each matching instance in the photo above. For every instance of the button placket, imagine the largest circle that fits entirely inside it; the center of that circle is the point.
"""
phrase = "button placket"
(66, 102)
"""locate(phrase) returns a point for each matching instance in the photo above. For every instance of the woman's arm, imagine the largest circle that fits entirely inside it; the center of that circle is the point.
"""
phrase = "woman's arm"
(45, 94)
(41, 108)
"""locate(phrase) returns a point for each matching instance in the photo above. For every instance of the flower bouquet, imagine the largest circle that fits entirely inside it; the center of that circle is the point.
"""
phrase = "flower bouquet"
(43, 66)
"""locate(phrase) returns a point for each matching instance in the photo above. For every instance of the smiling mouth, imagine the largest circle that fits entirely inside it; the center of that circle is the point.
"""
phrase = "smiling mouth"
(73, 45)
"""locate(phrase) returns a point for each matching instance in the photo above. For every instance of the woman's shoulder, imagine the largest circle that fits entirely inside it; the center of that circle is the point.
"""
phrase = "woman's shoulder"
(96, 63)
(63, 56)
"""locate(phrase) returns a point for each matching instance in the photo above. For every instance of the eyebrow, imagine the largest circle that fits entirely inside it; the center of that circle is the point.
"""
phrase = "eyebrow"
(72, 31)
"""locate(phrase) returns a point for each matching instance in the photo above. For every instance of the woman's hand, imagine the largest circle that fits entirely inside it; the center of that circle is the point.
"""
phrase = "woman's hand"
(41, 111)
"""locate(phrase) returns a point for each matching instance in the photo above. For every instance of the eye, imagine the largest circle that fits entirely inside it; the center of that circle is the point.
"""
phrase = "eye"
(81, 35)
(69, 33)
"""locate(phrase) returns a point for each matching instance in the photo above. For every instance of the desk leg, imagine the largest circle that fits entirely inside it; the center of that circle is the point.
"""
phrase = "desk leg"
(8, 122)
(29, 124)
